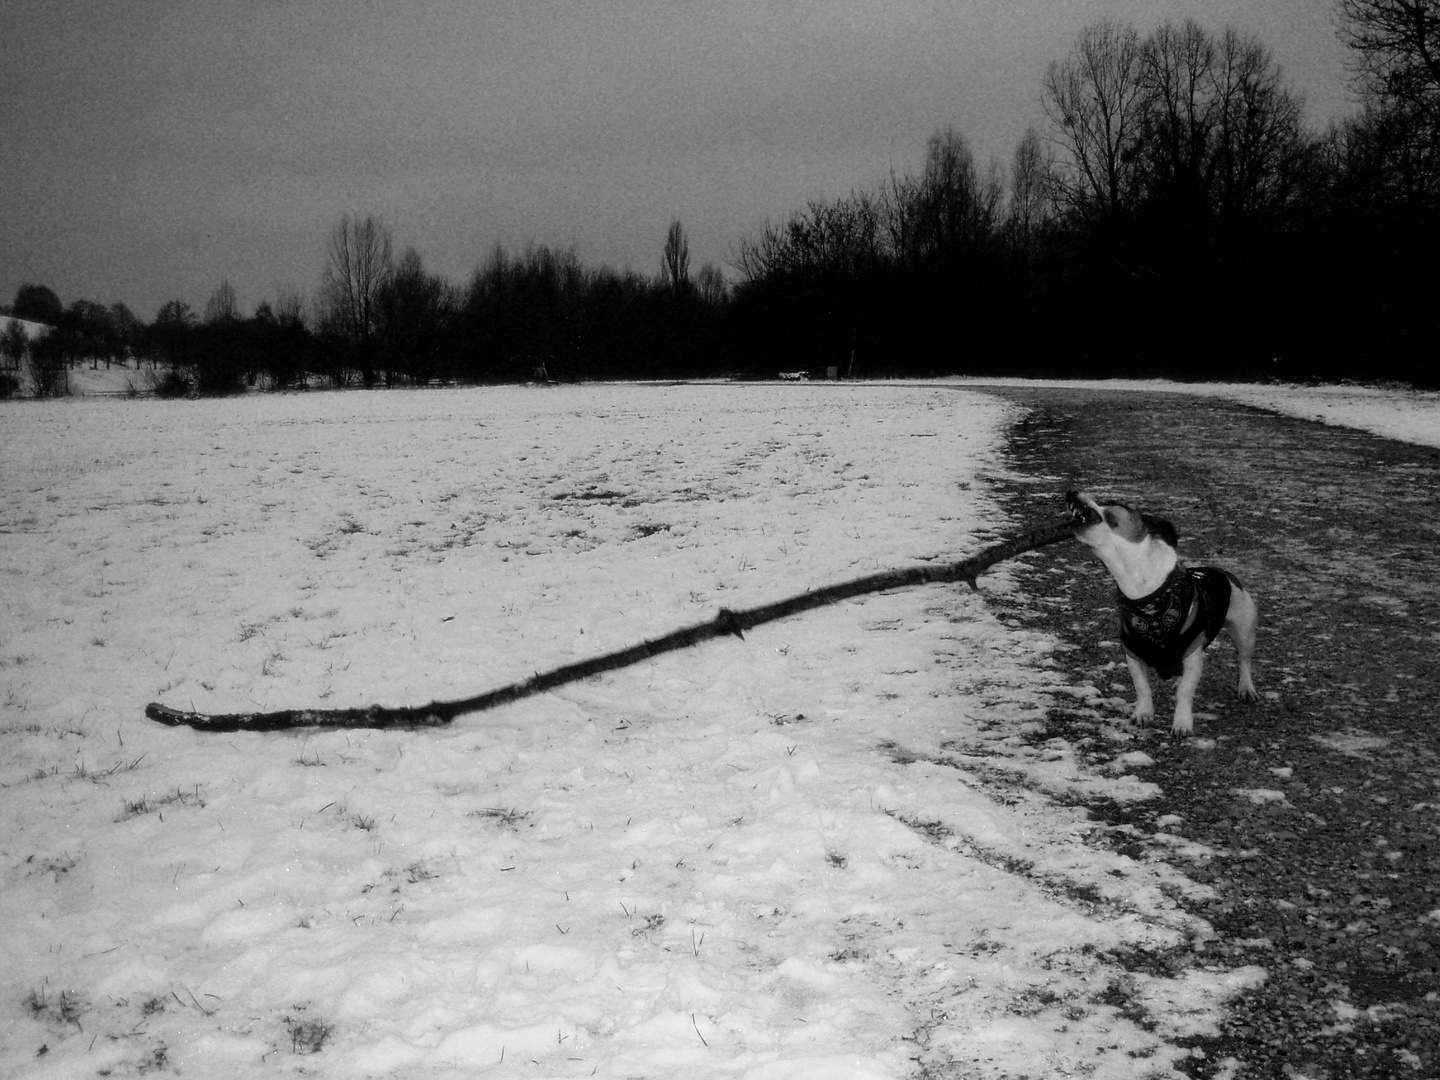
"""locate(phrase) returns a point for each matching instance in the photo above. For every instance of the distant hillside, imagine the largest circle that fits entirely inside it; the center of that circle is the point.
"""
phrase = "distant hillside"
(32, 329)
(83, 381)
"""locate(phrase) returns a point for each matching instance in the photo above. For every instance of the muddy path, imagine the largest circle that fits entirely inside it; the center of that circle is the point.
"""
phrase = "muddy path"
(1321, 804)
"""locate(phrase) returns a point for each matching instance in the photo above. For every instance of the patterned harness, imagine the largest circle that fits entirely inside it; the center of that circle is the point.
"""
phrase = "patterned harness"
(1160, 628)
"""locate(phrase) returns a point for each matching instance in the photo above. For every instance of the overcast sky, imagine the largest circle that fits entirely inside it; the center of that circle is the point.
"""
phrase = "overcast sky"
(150, 149)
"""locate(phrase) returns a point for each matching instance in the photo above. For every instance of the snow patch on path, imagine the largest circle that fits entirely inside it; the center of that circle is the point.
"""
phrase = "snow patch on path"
(1391, 411)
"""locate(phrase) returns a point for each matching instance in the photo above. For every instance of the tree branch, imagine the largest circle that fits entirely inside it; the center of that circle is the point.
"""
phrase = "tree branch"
(725, 622)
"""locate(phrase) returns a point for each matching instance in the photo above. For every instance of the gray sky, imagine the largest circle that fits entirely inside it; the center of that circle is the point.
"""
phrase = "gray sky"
(150, 149)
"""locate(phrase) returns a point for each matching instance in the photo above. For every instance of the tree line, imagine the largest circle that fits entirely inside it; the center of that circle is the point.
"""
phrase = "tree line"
(1175, 216)
(377, 320)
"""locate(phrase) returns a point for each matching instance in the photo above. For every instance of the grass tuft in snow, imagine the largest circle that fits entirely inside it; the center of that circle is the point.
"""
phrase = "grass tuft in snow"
(81, 771)
(308, 1034)
(144, 804)
(58, 1010)
(56, 866)
(511, 817)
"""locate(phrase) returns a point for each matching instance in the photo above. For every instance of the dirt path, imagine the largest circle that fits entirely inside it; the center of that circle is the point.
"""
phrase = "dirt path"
(1328, 875)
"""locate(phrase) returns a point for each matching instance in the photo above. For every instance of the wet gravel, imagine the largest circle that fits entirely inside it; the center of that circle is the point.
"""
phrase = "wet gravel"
(1320, 806)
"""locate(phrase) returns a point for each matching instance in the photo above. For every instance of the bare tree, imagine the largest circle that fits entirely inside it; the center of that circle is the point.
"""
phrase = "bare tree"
(49, 364)
(14, 344)
(1397, 50)
(126, 329)
(711, 284)
(1396, 65)
(839, 239)
(1093, 99)
(289, 307)
(1260, 136)
(1221, 135)
(282, 339)
(760, 258)
(14, 347)
(415, 309)
(949, 210)
(358, 263)
(87, 333)
(222, 307)
(1029, 189)
(1180, 117)
(676, 259)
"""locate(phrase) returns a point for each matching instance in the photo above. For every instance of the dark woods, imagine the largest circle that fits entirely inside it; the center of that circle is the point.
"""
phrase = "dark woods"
(1175, 217)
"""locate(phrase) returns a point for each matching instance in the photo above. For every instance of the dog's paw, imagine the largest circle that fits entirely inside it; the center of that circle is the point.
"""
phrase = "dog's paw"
(1247, 692)
(1182, 727)
(1144, 715)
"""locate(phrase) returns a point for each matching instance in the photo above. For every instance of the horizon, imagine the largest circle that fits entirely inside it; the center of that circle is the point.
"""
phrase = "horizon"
(156, 152)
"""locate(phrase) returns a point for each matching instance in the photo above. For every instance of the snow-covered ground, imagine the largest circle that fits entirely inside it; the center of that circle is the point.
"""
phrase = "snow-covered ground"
(32, 329)
(827, 850)
(1406, 415)
(1392, 411)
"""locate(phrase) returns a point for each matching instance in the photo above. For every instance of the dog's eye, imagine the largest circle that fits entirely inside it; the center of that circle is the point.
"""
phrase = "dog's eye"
(1111, 519)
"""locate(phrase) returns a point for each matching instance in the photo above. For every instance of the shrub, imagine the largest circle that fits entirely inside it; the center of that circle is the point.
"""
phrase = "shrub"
(173, 384)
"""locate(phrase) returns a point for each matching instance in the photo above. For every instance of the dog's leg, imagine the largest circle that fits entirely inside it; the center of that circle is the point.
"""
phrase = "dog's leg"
(1241, 620)
(1144, 711)
(1190, 670)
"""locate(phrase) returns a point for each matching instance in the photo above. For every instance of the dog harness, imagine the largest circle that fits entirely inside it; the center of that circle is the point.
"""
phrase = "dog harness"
(1161, 628)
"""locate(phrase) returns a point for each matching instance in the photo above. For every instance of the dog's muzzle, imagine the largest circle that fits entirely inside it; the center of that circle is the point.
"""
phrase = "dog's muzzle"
(1080, 514)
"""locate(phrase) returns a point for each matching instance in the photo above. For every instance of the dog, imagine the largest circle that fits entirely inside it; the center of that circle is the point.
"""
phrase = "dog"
(1169, 613)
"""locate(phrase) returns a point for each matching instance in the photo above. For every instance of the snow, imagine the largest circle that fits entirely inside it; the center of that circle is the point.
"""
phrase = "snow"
(32, 329)
(1260, 796)
(1406, 415)
(828, 850)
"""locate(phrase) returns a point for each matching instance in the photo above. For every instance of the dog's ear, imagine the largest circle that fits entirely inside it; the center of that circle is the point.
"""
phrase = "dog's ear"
(1161, 529)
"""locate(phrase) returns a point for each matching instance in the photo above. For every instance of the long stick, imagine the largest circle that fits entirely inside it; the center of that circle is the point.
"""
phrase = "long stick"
(726, 622)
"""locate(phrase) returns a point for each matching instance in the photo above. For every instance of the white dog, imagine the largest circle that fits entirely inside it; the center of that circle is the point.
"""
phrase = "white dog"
(1169, 613)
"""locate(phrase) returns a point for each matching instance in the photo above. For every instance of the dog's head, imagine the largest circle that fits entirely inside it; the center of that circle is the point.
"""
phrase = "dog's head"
(1100, 524)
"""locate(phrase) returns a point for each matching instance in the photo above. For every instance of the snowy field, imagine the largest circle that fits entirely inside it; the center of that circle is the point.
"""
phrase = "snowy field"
(793, 856)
